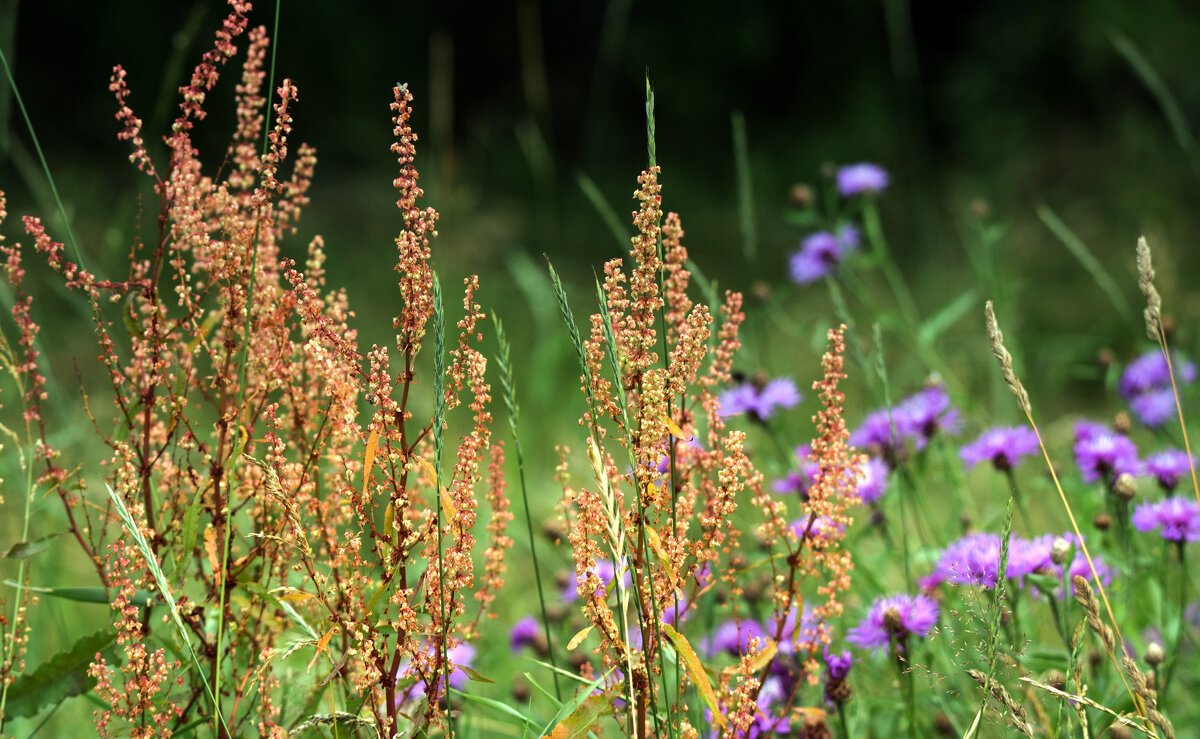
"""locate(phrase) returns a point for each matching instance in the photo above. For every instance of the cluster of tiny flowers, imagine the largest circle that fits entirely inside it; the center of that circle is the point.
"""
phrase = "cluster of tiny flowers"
(1146, 385)
(1178, 518)
(862, 178)
(760, 400)
(821, 253)
(1104, 454)
(975, 560)
(916, 419)
(873, 477)
(1002, 447)
(893, 619)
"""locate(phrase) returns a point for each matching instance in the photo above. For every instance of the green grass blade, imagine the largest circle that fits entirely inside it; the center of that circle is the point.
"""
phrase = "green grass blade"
(504, 360)
(164, 589)
(619, 230)
(1093, 266)
(439, 417)
(745, 189)
(496, 705)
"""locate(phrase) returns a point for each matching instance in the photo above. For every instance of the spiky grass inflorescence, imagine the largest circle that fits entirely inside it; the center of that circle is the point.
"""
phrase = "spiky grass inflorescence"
(996, 339)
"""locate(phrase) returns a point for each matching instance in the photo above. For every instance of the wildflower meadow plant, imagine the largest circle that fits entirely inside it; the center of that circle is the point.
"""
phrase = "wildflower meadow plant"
(247, 497)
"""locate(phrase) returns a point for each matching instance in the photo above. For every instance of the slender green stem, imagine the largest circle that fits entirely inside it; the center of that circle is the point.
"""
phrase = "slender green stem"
(231, 479)
(883, 256)
(905, 677)
(439, 417)
(506, 383)
(1182, 626)
(1016, 495)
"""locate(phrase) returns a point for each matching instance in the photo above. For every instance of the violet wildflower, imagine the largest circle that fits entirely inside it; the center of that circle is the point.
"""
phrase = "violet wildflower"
(760, 402)
(604, 570)
(837, 668)
(1169, 466)
(873, 480)
(928, 412)
(460, 655)
(1179, 519)
(524, 633)
(817, 530)
(820, 254)
(972, 560)
(1146, 384)
(1003, 447)
(1103, 454)
(854, 179)
(733, 637)
(800, 635)
(897, 616)
(799, 482)
(1149, 371)
(1079, 566)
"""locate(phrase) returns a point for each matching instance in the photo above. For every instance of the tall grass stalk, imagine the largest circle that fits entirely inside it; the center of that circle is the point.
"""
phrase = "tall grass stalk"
(503, 359)
(999, 594)
(439, 421)
(996, 339)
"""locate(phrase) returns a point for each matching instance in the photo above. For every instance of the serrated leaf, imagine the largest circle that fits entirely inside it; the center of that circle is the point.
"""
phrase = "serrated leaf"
(26, 549)
(695, 671)
(62, 676)
(582, 719)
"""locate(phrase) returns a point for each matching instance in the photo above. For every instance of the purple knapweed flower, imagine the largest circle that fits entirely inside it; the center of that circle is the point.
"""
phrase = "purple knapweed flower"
(1169, 466)
(1146, 384)
(1149, 371)
(872, 480)
(818, 530)
(760, 403)
(837, 666)
(821, 253)
(460, 655)
(859, 178)
(801, 635)
(799, 482)
(604, 571)
(523, 633)
(1179, 519)
(1102, 453)
(927, 413)
(733, 637)
(899, 616)
(972, 560)
(1079, 566)
(1003, 447)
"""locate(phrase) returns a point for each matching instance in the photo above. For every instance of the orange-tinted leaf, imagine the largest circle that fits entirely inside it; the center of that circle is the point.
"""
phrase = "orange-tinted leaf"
(695, 671)
(675, 430)
(369, 459)
(579, 637)
(322, 645)
(582, 719)
(765, 656)
(210, 548)
(656, 546)
(298, 595)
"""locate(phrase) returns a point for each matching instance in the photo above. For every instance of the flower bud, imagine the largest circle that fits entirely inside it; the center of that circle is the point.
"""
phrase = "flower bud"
(1125, 487)
(1122, 423)
(1102, 521)
(1155, 654)
(1060, 551)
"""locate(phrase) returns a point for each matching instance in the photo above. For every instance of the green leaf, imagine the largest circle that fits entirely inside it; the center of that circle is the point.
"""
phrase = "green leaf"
(62, 676)
(936, 325)
(583, 718)
(696, 671)
(141, 598)
(571, 706)
(187, 534)
(26, 549)
(495, 705)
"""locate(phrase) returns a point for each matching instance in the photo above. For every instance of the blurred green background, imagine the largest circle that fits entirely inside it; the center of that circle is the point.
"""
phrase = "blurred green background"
(1083, 107)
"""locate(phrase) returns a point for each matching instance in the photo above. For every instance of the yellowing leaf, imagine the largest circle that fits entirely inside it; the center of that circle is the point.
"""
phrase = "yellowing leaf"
(298, 595)
(432, 474)
(657, 547)
(582, 719)
(322, 644)
(695, 671)
(369, 459)
(675, 430)
(210, 548)
(578, 638)
(448, 504)
(765, 656)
